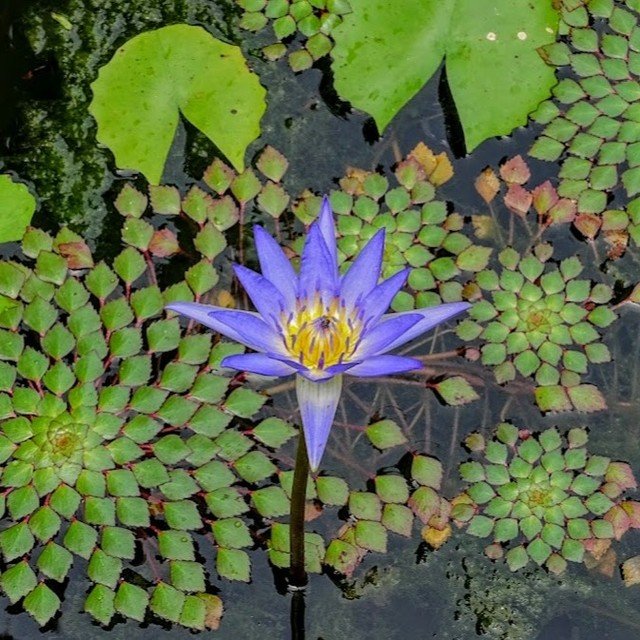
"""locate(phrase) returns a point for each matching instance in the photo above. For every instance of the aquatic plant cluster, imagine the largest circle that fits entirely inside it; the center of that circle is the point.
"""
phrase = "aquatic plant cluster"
(540, 319)
(592, 124)
(115, 422)
(543, 497)
(423, 233)
(308, 20)
(150, 441)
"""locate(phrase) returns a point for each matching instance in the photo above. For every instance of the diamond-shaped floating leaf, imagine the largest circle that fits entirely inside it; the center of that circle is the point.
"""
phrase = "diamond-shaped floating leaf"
(187, 576)
(366, 506)
(100, 604)
(118, 542)
(17, 581)
(182, 515)
(231, 533)
(272, 164)
(427, 471)
(371, 535)
(270, 502)
(456, 391)
(254, 466)
(244, 402)
(131, 601)
(332, 491)
(385, 434)
(15, 541)
(392, 488)
(167, 602)
(233, 564)
(226, 502)
(273, 432)
(42, 603)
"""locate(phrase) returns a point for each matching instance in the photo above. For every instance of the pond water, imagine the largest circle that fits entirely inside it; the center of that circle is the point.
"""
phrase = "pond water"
(412, 591)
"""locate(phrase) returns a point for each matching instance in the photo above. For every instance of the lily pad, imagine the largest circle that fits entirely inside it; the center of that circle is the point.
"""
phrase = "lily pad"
(17, 207)
(158, 75)
(489, 54)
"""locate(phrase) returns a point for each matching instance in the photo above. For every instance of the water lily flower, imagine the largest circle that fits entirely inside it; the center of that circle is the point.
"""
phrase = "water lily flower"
(318, 324)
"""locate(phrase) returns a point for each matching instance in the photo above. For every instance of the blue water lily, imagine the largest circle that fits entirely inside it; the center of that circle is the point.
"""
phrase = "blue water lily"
(318, 324)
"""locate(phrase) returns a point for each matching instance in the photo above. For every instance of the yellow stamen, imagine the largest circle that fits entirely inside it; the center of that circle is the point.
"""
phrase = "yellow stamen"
(320, 335)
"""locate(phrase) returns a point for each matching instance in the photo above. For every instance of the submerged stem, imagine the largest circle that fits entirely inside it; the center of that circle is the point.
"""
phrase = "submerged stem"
(298, 575)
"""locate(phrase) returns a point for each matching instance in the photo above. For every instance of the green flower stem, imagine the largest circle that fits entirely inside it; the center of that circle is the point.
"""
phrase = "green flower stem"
(298, 575)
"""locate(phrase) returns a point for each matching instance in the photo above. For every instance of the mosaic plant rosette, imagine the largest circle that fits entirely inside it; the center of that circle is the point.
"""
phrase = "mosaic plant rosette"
(543, 497)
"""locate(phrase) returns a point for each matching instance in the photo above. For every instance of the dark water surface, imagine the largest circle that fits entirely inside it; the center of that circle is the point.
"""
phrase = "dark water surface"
(410, 593)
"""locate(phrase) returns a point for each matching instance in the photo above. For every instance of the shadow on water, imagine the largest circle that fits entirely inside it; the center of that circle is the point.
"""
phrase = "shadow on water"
(298, 623)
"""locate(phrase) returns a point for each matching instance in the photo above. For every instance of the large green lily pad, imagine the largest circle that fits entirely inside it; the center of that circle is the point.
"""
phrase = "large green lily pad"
(386, 51)
(17, 207)
(158, 75)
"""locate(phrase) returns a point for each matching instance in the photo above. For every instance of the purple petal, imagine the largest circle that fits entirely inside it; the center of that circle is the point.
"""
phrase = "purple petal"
(266, 298)
(384, 334)
(248, 329)
(384, 365)
(328, 229)
(318, 271)
(258, 363)
(316, 375)
(274, 264)
(430, 317)
(318, 402)
(378, 301)
(203, 313)
(364, 273)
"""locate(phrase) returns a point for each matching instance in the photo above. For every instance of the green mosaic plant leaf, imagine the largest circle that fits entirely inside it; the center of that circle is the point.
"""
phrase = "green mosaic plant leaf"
(503, 54)
(542, 331)
(203, 67)
(332, 491)
(18, 581)
(385, 434)
(233, 564)
(131, 601)
(42, 603)
(456, 391)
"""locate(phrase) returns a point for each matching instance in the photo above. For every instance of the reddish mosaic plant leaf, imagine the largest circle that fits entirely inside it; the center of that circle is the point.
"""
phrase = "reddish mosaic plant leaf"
(487, 185)
(515, 171)
(518, 199)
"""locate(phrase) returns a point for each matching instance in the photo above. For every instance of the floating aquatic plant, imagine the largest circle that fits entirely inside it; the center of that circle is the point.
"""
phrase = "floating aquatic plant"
(591, 125)
(308, 21)
(218, 201)
(543, 497)
(422, 231)
(17, 207)
(319, 326)
(489, 50)
(521, 198)
(539, 319)
(391, 507)
(205, 80)
(120, 434)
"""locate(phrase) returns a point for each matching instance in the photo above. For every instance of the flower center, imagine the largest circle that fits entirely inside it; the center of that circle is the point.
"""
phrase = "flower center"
(320, 335)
